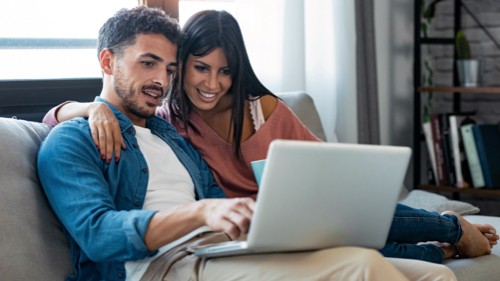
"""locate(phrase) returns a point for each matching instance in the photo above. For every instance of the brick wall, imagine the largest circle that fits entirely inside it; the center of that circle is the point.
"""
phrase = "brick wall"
(441, 56)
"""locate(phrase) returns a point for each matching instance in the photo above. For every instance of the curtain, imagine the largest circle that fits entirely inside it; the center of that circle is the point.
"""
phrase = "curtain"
(366, 65)
(321, 59)
(292, 47)
(301, 45)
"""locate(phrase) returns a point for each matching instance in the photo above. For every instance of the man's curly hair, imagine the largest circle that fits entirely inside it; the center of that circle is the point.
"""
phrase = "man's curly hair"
(121, 30)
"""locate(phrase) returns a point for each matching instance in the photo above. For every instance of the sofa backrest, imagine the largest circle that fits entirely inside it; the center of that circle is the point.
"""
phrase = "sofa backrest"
(32, 244)
(303, 106)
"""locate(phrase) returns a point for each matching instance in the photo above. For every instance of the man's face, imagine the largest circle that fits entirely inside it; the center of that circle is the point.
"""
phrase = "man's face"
(141, 76)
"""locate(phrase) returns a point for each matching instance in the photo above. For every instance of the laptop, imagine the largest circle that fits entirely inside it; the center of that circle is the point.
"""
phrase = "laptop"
(321, 195)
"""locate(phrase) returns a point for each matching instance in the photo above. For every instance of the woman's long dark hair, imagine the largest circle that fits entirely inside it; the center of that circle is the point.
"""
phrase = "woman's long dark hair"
(206, 31)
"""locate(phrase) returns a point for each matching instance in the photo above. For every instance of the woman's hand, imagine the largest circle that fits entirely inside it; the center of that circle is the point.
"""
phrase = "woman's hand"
(105, 131)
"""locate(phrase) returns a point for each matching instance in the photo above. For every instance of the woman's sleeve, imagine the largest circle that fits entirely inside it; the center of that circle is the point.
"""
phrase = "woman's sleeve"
(51, 117)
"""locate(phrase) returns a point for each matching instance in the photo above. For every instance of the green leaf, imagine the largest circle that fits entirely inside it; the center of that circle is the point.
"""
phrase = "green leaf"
(430, 11)
(423, 28)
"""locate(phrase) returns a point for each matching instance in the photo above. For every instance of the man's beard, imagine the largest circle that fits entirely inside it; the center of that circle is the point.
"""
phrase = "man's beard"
(130, 104)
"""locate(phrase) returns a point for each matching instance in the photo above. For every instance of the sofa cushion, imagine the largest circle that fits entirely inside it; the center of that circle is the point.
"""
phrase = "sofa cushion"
(33, 246)
(303, 106)
(433, 202)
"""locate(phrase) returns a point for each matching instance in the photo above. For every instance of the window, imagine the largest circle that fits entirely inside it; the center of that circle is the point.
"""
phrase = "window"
(187, 8)
(52, 39)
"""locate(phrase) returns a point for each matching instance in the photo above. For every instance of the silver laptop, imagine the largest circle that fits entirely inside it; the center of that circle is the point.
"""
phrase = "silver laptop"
(320, 195)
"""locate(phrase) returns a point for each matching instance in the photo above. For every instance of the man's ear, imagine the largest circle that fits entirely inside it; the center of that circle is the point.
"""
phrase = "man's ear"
(106, 59)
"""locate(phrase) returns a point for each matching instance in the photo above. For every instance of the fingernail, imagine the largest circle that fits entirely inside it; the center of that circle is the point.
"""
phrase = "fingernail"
(103, 156)
(116, 159)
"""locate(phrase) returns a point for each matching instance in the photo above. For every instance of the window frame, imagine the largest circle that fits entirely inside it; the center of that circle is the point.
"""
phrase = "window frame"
(31, 99)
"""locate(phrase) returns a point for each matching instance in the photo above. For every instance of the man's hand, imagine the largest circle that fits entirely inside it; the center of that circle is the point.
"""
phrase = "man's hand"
(232, 216)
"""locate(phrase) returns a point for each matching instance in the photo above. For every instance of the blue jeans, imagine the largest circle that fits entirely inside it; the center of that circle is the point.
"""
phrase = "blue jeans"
(411, 226)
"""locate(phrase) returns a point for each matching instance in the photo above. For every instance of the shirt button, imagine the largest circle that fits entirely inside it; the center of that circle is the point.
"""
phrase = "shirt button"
(145, 170)
(134, 145)
(137, 204)
(120, 274)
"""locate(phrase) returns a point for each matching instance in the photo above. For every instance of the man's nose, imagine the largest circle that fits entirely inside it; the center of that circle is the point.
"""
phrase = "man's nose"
(161, 79)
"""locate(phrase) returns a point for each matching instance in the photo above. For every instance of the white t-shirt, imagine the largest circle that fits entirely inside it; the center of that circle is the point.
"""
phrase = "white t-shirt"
(169, 185)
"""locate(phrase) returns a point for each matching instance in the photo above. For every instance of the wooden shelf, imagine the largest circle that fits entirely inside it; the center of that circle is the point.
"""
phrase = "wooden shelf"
(451, 189)
(476, 90)
(455, 92)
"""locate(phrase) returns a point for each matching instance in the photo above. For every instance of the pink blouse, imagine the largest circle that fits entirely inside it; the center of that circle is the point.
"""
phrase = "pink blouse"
(236, 178)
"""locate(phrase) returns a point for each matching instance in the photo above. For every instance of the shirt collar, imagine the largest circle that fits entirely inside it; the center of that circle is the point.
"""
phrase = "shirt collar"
(155, 124)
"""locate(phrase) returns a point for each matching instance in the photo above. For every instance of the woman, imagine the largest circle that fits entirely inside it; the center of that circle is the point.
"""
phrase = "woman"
(218, 104)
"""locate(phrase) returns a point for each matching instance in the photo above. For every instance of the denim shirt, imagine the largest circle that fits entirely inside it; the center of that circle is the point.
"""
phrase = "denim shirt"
(100, 204)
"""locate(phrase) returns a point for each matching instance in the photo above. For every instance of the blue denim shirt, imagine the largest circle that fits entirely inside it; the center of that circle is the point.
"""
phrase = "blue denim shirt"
(100, 204)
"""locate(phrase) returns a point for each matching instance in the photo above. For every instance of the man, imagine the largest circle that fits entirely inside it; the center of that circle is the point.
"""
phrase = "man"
(136, 218)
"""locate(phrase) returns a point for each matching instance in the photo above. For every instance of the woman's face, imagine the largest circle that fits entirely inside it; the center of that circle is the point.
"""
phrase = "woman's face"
(207, 79)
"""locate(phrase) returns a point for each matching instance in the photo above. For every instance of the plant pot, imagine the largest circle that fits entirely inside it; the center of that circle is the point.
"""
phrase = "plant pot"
(468, 72)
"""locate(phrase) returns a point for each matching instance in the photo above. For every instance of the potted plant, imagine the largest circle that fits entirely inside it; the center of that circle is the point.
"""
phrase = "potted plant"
(468, 68)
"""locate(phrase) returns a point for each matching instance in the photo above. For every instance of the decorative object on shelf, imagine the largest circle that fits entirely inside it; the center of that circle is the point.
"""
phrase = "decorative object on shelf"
(468, 68)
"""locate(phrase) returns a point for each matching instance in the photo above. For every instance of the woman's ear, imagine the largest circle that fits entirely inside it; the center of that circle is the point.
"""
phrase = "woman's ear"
(106, 61)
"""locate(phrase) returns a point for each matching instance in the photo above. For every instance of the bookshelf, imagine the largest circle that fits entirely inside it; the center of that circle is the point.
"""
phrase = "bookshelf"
(452, 189)
(464, 90)
(454, 90)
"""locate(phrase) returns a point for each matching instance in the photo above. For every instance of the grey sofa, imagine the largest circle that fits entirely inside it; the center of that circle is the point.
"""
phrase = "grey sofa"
(32, 244)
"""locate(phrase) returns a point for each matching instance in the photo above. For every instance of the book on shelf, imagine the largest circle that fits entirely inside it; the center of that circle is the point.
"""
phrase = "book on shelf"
(472, 156)
(426, 126)
(487, 138)
(462, 172)
(438, 151)
(448, 162)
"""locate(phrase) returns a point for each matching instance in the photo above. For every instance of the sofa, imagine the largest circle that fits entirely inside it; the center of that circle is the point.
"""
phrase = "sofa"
(33, 246)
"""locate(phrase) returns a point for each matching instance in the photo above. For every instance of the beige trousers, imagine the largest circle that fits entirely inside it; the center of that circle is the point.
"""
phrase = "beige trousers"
(417, 270)
(342, 263)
